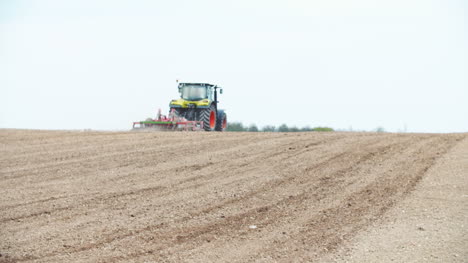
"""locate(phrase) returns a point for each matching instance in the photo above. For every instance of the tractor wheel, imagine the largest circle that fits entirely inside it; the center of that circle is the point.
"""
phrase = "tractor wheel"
(208, 116)
(221, 121)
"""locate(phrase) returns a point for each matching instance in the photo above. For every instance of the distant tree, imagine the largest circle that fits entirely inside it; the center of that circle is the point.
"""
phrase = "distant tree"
(239, 127)
(323, 129)
(283, 128)
(380, 129)
(294, 129)
(252, 128)
(235, 126)
(269, 128)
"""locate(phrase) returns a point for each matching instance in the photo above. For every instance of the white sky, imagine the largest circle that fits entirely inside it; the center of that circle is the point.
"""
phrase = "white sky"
(338, 63)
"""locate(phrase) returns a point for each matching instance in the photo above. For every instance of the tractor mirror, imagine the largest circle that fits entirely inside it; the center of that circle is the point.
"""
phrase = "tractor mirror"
(221, 91)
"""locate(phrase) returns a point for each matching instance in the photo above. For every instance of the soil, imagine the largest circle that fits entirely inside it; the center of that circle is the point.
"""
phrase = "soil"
(69, 196)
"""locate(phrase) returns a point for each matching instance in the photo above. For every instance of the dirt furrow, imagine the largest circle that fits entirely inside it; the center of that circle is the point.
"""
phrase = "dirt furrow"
(108, 197)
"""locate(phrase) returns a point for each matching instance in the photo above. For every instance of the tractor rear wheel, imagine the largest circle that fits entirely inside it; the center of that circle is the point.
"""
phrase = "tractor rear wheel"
(221, 121)
(208, 116)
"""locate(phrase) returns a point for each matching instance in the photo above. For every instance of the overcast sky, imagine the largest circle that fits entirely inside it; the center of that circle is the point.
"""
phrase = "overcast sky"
(345, 64)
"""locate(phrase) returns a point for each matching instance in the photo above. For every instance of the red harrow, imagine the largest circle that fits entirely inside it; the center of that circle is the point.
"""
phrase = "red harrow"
(173, 122)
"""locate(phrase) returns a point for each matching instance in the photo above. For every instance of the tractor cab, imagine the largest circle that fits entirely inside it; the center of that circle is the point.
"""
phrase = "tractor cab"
(196, 95)
(197, 91)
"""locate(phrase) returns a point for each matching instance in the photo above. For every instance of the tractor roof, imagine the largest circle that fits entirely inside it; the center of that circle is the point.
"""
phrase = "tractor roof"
(196, 84)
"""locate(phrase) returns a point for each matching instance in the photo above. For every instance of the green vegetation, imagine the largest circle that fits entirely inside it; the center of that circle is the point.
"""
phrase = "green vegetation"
(283, 128)
(252, 128)
(239, 127)
(235, 127)
(322, 129)
(269, 128)
(380, 129)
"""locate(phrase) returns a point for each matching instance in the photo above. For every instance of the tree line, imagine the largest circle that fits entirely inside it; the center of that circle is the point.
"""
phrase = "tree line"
(239, 127)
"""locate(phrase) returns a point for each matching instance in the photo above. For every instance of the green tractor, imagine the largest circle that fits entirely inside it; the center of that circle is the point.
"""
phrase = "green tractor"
(199, 102)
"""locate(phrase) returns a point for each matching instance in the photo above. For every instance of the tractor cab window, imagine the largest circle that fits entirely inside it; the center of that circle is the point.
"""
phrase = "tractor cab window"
(193, 92)
(210, 94)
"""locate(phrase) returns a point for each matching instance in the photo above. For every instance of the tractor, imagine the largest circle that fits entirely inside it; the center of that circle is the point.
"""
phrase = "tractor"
(196, 109)
(199, 102)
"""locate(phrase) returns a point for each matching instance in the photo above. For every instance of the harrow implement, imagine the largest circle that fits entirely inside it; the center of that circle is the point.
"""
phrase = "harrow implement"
(173, 122)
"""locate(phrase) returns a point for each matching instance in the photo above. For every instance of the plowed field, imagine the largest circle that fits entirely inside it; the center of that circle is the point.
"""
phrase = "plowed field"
(202, 197)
